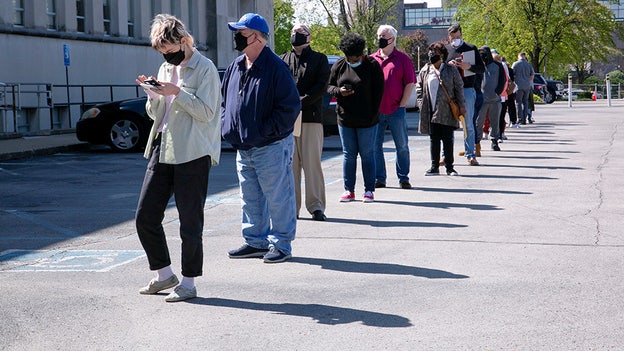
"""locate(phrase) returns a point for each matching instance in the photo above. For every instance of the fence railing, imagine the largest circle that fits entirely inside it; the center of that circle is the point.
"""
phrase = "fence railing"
(36, 107)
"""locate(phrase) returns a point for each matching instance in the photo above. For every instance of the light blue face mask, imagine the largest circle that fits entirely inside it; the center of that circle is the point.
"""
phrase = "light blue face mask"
(353, 65)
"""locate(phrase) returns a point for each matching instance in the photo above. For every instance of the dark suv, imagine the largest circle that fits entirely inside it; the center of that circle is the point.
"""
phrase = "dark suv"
(540, 88)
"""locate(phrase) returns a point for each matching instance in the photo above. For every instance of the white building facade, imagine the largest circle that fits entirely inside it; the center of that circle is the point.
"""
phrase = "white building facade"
(99, 47)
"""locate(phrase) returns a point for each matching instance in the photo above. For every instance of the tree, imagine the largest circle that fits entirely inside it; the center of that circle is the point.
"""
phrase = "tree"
(552, 32)
(360, 16)
(415, 46)
(283, 17)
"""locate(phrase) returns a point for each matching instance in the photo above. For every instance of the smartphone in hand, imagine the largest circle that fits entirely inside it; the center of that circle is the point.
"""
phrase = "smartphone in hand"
(151, 84)
(347, 86)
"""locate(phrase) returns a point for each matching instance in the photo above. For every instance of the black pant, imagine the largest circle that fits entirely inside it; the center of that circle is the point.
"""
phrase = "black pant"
(188, 182)
(444, 133)
(508, 105)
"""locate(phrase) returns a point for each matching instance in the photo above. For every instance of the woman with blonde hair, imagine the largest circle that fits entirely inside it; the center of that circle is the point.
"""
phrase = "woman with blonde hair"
(184, 142)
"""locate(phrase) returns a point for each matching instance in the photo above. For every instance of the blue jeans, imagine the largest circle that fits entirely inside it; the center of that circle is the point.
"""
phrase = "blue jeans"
(358, 141)
(469, 142)
(522, 104)
(398, 128)
(267, 190)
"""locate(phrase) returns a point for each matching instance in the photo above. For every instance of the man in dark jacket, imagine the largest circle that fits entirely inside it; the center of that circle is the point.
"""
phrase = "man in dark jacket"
(493, 84)
(466, 58)
(311, 71)
(258, 113)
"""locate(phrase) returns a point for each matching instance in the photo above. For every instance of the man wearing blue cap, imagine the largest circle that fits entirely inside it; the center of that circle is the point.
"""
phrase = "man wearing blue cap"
(258, 113)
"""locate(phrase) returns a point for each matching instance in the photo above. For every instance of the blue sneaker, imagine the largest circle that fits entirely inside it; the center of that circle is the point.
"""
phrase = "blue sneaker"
(275, 256)
(247, 251)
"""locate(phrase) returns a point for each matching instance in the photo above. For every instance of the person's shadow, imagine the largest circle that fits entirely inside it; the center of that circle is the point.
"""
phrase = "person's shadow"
(377, 268)
(333, 315)
(322, 314)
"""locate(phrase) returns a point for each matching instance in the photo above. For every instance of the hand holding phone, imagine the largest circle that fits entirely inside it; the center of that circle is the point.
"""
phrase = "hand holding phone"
(151, 84)
(347, 86)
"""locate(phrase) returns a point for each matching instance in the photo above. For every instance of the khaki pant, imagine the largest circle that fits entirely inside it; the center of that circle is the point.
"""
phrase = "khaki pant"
(307, 156)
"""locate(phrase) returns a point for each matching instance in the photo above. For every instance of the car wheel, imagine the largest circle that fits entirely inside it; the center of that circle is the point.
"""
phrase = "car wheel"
(127, 134)
(549, 98)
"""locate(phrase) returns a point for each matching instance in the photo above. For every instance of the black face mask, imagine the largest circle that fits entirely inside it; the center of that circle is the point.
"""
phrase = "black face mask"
(298, 39)
(433, 57)
(241, 41)
(383, 42)
(175, 58)
(485, 59)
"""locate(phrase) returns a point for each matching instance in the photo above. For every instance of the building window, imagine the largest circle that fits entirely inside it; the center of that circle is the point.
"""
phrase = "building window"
(131, 19)
(80, 16)
(428, 17)
(51, 13)
(18, 6)
(107, 17)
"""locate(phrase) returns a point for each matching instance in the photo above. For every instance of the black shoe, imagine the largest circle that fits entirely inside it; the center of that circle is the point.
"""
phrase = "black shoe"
(531, 121)
(275, 256)
(405, 185)
(432, 171)
(247, 251)
(451, 172)
(318, 215)
(495, 146)
(379, 185)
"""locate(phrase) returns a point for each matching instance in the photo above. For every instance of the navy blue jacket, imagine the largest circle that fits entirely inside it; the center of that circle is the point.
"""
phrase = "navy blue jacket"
(260, 104)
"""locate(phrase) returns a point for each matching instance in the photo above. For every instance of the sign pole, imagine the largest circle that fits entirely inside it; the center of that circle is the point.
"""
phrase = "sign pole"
(66, 62)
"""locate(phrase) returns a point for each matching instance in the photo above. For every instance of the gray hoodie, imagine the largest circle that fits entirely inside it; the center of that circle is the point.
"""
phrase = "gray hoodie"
(493, 78)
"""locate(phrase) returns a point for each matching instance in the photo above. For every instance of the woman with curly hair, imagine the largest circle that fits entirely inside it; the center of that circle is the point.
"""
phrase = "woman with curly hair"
(357, 82)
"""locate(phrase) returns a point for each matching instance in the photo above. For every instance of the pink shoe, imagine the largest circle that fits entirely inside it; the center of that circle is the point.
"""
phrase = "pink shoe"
(347, 196)
(369, 197)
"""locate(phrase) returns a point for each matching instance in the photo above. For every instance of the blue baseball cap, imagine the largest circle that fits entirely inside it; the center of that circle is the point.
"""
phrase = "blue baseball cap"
(251, 21)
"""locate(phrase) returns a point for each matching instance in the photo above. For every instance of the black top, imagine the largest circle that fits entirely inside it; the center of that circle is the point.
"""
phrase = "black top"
(361, 109)
(311, 72)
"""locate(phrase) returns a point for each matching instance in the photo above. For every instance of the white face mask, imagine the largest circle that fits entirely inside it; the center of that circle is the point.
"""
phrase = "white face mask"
(456, 42)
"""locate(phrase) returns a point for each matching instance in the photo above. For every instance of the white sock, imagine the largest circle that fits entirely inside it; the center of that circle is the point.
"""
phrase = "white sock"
(188, 283)
(164, 273)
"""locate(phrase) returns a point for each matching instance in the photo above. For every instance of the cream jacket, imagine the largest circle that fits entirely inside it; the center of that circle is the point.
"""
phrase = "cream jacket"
(194, 126)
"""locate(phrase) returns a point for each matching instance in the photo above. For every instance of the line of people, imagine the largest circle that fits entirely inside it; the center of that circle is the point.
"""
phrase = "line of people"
(490, 88)
(269, 108)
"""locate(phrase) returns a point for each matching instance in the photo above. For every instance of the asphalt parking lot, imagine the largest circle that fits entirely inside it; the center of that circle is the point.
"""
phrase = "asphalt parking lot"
(524, 252)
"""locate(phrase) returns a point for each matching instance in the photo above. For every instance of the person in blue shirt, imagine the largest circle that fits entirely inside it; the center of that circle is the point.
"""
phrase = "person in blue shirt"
(258, 112)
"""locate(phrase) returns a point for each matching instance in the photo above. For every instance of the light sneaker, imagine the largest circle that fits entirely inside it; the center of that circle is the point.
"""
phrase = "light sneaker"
(347, 196)
(369, 197)
(181, 293)
(155, 286)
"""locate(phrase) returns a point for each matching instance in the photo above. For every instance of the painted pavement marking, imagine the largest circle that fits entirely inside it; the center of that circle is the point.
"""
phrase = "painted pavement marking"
(66, 260)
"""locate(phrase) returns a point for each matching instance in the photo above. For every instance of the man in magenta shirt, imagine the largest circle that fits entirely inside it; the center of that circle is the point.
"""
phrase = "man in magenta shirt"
(400, 79)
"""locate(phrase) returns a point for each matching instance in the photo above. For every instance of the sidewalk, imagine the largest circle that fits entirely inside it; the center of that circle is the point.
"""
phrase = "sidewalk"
(28, 146)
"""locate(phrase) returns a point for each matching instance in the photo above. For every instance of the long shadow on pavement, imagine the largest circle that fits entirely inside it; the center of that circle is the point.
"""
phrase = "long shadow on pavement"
(389, 224)
(473, 191)
(323, 314)
(377, 268)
